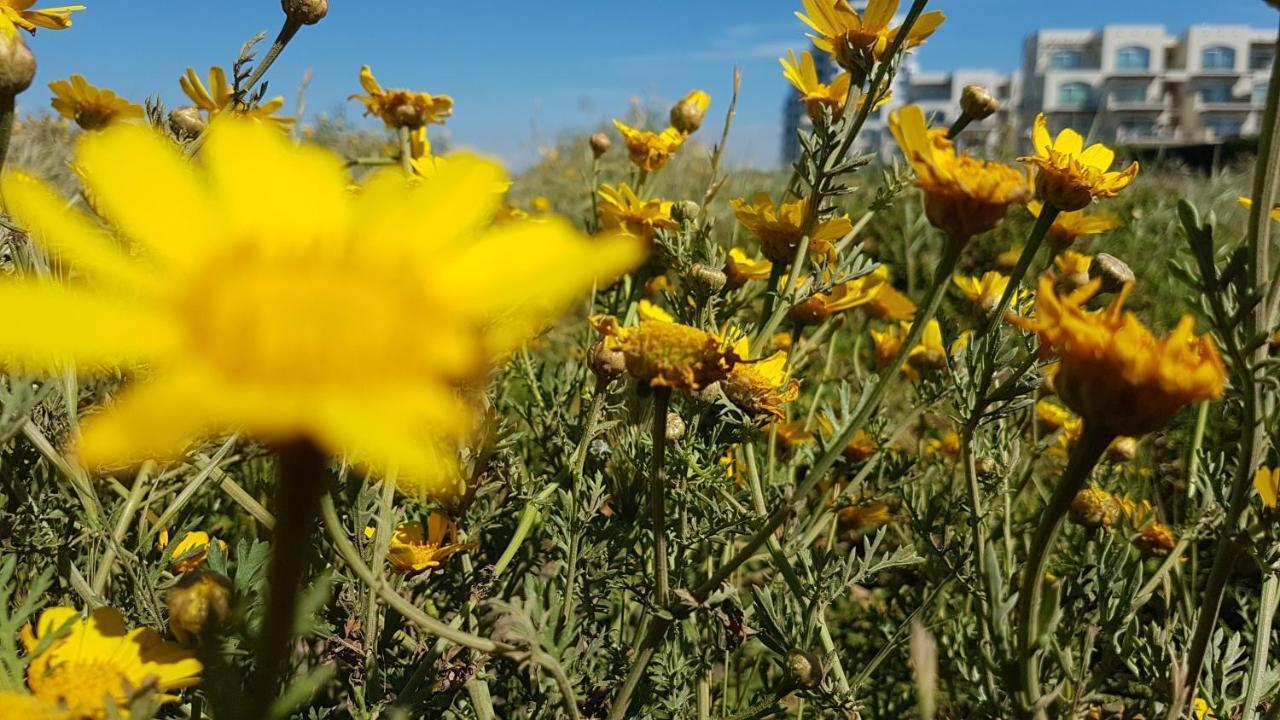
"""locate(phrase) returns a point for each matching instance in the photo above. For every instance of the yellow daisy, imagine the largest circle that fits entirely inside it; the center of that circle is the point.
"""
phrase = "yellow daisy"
(621, 210)
(400, 108)
(781, 228)
(16, 14)
(850, 294)
(92, 108)
(648, 150)
(889, 303)
(739, 268)
(983, 291)
(816, 95)
(1070, 175)
(667, 354)
(855, 40)
(760, 387)
(219, 93)
(191, 550)
(929, 354)
(413, 550)
(265, 298)
(1069, 227)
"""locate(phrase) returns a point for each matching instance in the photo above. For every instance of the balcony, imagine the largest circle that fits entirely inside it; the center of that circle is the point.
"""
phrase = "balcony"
(1233, 104)
(1118, 104)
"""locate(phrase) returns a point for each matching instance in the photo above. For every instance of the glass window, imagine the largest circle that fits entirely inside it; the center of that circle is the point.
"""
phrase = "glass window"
(1218, 57)
(1216, 92)
(1066, 59)
(1129, 93)
(1137, 128)
(1260, 94)
(1260, 58)
(1074, 94)
(930, 92)
(1224, 127)
(1133, 58)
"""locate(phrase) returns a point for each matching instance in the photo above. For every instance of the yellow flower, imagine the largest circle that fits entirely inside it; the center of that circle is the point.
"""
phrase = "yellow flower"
(866, 515)
(1247, 203)
(780, 229)
(1155, 539)
(963, 196)
(265, 298)
(25, 706)
(665, 353)
(1071, 226)
(400, 108)
(622, 211)
(1073, 268)
(792, 434)
(1203, 711)
(1266, 481)
(191, 550)
(1114, 373)
(650, 151)
(97, 657)
(762, 386)
(540, 204)
(889, 303)
(92, 108)
(688, 113)
(985, 291)
(201, 598)
(412, 550)
(739, 268)
(816, 95)
(219, 94)
(1008, 259)
(847, 295)
(1051, 415)
(855, 40)
(1070, 176)
(1094, 508)
(948, 444)
(16, 14)
(929, 354)
(1137, 513)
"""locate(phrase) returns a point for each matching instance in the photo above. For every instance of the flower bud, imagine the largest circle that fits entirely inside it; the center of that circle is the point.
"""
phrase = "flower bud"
(17, 65)
(687, 115)
(711, 280)
(305, 12)
(1112, 271)
(200, 599)
(804, 669)
(685, 211)
(675, 427)
(186, 122)
(1122, 449)
(976, 103)
(1094, 508)
(607, 363)
(600, 144)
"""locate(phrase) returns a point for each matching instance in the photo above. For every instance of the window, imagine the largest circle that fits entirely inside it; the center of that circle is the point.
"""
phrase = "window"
(1074, 94)
(1223, 127)
(1260, 94)
(1134, 93)
(1260, 58)
(930, 92)
(1137, 128)
(1066, 59)
(1218, 57)
(1133, 58)
(937, 118)
(1216, 92)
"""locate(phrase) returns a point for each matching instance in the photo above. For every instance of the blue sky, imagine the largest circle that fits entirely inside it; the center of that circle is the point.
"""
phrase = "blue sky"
(522, 72)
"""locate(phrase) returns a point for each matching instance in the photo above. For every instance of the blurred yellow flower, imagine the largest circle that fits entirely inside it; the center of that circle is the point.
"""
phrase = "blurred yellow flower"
(740, 268)
(1070, 175)
(218, 96)
(1071, 264)
(265, 298)
(948, 444)
(413, 550)
(1051, 415)
(201, 598)
(99, 658)
(400, 108)
(1094, 508)
(889, 303)
(983, 291)
(1247, 203)
(664, 353)
(1203, 711)
(792, 434)
(781, 228)
(621, 210)
(1157, 540)
(929, 354)
(191, 550)
(963, 196)
(1071, 226)
(854, 39)
(1114, 373)
(865, 515)
(16, 14)
(687, 114)
(92, 108)
(847, 295)
(1266, 481)
(648, 150)
(760, 387)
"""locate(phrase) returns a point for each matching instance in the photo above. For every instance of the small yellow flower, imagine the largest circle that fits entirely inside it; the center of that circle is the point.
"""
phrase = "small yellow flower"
(92, 108)
(98, 657)
(1138, 513)
(1247, 203)
(199, 599)
(1069, 227)
(664, 353)
(648, 150)
(760, 387)
(740, 268)
(1070, 175)
(25, 706)
(816, 95)
(850, 294)
(621, 210)
(948, 444)
(1114, 373)
(1073, 269)
(856, 40)
(864, 516)
(218, 96)
(889, 303)
(930, 354)
(963, 196)
(191, 550)
(412, 550)
(687, 114)
(1202, 710)
(1156, 539)
(983, 291)
(15, 14)
(265, 298)
(1094, 508)
(1051, 416)
(792, 434)
(400, 108)
(1266, 481)
(781, 228)
(1008, 259)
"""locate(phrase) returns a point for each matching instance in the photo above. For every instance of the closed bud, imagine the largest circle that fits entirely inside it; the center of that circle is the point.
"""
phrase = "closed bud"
(1122, 449)
(600, 144)
(1112, 271)
(17, 64)
(685, 211)
(709, 279)
(675, 427)
(804, 669)
(607, 363)
(187, 123)
(1094, 508)
(305, 12)
(977, 103)
(687, 115)
(200, 599)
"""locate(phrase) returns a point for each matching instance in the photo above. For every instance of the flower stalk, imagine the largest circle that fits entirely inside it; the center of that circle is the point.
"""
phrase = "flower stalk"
(658, 496)
(1038, 233)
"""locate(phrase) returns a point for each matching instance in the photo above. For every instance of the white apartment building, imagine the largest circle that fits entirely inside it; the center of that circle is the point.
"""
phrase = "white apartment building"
(1140, 85)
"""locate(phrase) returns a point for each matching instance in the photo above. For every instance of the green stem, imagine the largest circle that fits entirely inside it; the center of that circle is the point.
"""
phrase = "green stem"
(1048, 214)
(958, 126)
(7, 116)
(1084, 456)
(579, 463)
(658, 496)
(140, 485)
(286, 34)
(1261, 644)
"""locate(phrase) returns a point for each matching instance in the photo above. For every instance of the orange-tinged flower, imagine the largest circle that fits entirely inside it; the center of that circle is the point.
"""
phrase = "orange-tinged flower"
(983, 291)
(15, 14)
(929, 354)
(649, 150)
(219, 95)
(781, 228)
(1070, 175)
(1094, 508)
(1069, 227)
(760, 387)
(91, 107)
(621, 210)
(792, 434)
(740, 268)
(1113, 371)
(401, 108)
(963, 196)
(889, 303)
(664, 353)
(1156, 539)
(865, 515)
(850, 294)
(414, 549)
(854, 40)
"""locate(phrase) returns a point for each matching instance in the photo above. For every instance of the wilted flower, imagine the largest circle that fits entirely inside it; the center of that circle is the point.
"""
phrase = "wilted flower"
(664, 353)
(1068, 227)
(92, 108)
(760, 387)
(400, 108)
(413, 550)
(305, 12)
(201, 598)
(1114, 373)
(1070, 176)
(781, 228)
(219, 94)
(648, 150)
(621, 210)
(855, 40)
(1094, 508)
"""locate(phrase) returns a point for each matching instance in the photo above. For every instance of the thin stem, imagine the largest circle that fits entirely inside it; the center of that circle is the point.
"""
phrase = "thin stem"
(287, 32)
(302, 470)
(1048, 214)
(1084, 456)
(381, 543)
(658, 496)
(406, 150)
(7, 116)
(1261, 644)
(958, 126)
(140, 484)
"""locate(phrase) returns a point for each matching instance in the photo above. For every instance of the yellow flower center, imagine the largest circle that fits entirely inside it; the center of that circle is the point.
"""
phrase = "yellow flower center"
(82, 685)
